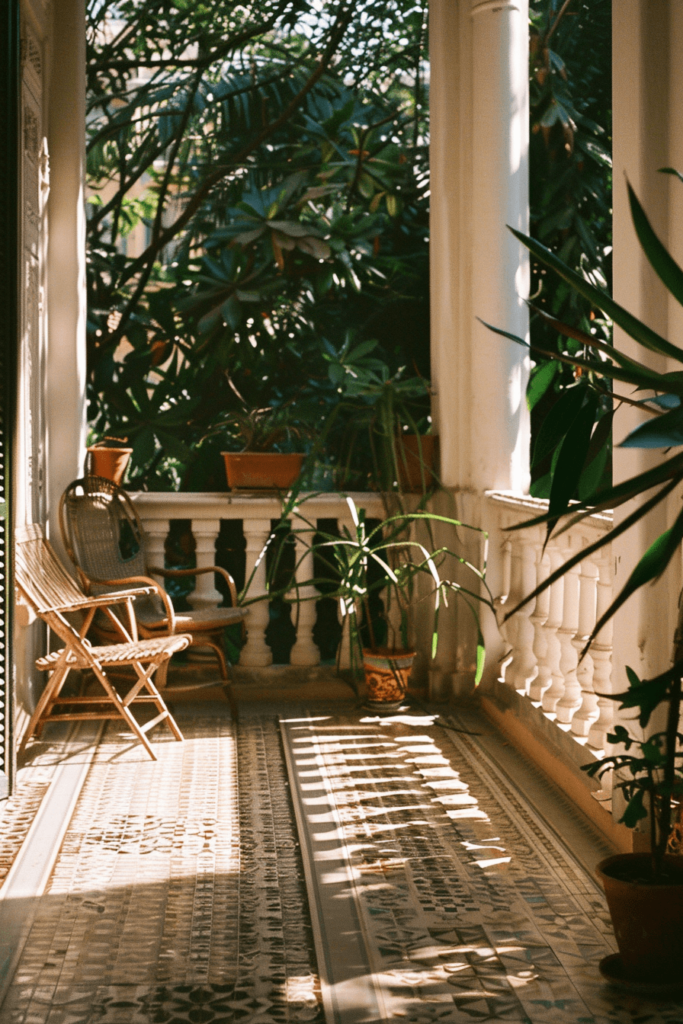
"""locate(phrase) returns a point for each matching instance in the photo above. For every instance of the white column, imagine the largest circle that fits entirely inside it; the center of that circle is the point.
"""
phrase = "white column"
(66, 292)
(479, 183)
(256, 653)
(522, 669)
(569, 659)
(552, 624)
(305, 651)
(156, 532)
(205, 594)
(602, 657)
(588, 709)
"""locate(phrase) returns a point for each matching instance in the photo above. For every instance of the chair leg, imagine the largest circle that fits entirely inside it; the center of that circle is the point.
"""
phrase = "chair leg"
(161, 706)
(123, 710)
(54, 684)
(226, 674)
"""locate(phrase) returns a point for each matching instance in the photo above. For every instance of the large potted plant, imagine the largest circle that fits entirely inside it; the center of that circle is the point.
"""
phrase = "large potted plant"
(644, 890)
(267, 445)
(374, 571)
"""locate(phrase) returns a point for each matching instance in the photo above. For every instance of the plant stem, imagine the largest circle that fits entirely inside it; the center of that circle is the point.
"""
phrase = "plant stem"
(672, 720)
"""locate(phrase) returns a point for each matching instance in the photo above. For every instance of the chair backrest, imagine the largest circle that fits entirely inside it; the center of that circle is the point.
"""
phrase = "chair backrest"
(44, 582)
(101, 530)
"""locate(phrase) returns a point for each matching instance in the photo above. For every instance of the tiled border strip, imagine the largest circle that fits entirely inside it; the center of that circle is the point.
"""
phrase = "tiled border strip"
(29, 874)
(346, 977)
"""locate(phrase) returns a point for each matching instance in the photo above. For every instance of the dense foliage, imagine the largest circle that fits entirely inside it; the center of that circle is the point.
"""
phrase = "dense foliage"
(275, 153)
(570, 196)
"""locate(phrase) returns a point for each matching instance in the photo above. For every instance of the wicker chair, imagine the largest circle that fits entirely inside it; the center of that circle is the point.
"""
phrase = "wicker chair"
(104, 538)
(46, 587)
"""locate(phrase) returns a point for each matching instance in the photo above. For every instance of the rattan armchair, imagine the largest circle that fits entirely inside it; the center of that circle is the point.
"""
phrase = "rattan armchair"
(47, 589)
(104, 537)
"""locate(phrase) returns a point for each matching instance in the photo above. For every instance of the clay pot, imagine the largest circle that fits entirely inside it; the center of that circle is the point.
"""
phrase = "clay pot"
(256, 471)
(647, 918)
(109, 463)
(416, 456)
(386, 678)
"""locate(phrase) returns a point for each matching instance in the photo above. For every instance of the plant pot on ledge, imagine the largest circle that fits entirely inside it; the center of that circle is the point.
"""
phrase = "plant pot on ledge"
(108, 460)
(257, 471)
(386, 678)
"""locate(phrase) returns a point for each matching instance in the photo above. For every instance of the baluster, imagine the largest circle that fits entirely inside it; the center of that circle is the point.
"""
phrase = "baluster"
(500, 604)
(305, 651)
(602, 657)
(588, 710)
(344, 659)
(156, 532)
(256, 653)
(205, 594)
(543, 677)
(570, 699)
(522, 668)
(550, 628)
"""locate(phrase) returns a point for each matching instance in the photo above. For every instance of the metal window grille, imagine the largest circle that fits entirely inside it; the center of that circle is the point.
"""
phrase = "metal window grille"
(9, 330)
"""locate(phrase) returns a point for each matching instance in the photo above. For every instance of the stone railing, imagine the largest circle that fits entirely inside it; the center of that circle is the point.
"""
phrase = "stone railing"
(257, 513)
(544, 639)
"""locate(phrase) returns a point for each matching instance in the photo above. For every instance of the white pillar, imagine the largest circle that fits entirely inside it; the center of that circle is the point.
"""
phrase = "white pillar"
(522, 669)
(602, 657)
(305, 651)
(552, 624)
(66, 292)
(541, 681)
(570, 699)
(256, 653)
(479, 183)
(205, 594)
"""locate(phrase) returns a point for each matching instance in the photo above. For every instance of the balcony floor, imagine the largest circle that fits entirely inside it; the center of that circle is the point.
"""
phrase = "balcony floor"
(437, 892)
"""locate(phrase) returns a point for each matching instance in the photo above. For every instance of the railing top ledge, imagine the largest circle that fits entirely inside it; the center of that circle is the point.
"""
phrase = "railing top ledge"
(248, 505)
(525, 505)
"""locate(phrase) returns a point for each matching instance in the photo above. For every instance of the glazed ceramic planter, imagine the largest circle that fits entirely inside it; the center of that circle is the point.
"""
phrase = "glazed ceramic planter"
(386, 678)
(109, 463)
(647, 918)
(262, 471)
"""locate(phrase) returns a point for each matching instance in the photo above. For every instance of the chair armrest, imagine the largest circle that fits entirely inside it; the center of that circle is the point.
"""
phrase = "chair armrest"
(150, 587)
(102, 600)
(174, 573)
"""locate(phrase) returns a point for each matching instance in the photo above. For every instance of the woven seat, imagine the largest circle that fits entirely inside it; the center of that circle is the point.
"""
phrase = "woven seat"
(46, 587)
(104, 537)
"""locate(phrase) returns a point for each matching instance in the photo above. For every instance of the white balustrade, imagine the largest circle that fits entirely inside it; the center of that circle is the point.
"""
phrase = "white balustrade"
(205, 512)
(547, 637)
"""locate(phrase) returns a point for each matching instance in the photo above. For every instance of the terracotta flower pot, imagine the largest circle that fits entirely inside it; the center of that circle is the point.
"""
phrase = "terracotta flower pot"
(416, 456)
(647, 918)
(256, 471)
(109, 463)
(386, 678)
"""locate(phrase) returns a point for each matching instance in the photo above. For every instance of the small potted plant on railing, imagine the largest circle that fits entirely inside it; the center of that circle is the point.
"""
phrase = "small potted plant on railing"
(381, 644)
(267, 445)
(108, 458)
(644, 890)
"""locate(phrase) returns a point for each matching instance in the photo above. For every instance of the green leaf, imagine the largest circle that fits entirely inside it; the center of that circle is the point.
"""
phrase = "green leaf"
(629, 323)
(541, 379)
(571, 460)
(651, 565)
(671, 170)
(665, 431)
(660, 258)
(231, 311)
(558, 421)
(635, 810)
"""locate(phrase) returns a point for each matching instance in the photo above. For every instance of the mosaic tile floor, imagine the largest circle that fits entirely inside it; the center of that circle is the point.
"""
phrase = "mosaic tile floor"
(438, 893)
(178, 894)
(468, 905)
